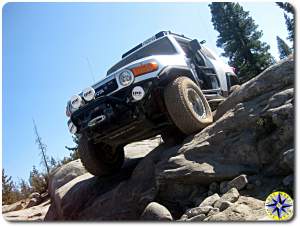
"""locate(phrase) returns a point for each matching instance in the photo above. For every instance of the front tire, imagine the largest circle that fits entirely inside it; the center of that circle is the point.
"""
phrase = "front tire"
(100, 159)
(187, 105)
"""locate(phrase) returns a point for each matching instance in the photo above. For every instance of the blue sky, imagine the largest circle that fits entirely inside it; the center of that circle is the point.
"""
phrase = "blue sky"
(45, 51)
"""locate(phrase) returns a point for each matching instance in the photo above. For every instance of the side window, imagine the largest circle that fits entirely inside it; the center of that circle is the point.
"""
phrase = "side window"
(185, 48)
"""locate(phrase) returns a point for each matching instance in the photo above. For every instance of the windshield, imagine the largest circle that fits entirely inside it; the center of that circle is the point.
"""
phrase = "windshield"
(160, 47)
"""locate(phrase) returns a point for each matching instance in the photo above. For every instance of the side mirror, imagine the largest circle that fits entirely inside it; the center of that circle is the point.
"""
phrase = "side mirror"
(194, 45)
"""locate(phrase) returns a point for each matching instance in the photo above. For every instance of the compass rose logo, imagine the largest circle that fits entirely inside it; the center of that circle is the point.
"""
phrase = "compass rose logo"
(279, 206)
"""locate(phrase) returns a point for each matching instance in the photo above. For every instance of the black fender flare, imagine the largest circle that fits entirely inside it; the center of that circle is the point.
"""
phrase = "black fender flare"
(169, 73)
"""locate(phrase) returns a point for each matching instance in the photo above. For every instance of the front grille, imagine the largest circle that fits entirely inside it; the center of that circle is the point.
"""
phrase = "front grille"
(107, 88)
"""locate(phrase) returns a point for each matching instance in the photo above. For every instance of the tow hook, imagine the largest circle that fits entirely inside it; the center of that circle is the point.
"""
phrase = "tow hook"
(96, 120)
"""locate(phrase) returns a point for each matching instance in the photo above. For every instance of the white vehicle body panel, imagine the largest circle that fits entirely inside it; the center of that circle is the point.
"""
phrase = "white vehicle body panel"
(179, 59)
(169, 60)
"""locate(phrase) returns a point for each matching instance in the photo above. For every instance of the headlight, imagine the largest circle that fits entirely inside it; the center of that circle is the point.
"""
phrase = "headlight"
(126, 78)
(88, 94)
(76, 101)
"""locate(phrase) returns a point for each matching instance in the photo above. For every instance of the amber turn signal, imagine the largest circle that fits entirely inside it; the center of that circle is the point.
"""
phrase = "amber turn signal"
(145, 68)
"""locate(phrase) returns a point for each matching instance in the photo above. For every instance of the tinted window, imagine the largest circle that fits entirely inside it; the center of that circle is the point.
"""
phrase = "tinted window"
(184, 46)
(161, 47)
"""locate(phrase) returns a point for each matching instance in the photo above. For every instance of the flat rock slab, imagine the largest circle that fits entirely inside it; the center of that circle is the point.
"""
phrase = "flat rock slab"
(141, 148)
(35, 213)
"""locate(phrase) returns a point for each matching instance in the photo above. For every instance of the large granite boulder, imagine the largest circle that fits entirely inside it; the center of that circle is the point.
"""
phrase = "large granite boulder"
(253, 134)
(64, 174)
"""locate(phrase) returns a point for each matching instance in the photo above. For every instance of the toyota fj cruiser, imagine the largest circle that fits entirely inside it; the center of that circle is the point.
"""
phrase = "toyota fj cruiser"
(167, 85)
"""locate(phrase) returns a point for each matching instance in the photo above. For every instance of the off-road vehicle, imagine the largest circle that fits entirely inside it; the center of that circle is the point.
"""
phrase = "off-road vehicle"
(167, 85)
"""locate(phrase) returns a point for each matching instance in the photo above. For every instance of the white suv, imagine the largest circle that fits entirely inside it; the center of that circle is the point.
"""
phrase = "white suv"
(167, 85)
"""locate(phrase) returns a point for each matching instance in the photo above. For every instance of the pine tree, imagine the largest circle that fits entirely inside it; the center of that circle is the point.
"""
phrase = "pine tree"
(43, 149)
(240, 39)
(10, 193)
(289, 21)
(25, 189)
(76, 141)
(37, 181)
(283, 49)
(53, 163)
(74, 152)
(7, 188)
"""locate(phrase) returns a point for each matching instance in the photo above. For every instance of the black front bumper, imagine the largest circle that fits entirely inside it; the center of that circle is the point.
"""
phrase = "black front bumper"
(116, 119)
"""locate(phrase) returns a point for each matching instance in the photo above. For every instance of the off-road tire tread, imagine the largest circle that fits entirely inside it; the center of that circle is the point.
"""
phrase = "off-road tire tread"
(179, 110)
(94, 165)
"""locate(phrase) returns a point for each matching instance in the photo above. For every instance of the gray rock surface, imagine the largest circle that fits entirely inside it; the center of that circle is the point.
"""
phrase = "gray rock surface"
(13, 207)
(35, 195)
(227, 199)
(62, 175)
(239, 182)
(210, 201)
(253, 134)
(32, 202)
(199, 217)
(141, 148)
(231, 196)
(35, 213)
(35, 199)
(245, 209)
(198, 210)
(156, 212)
(213, 211)
(222, 205)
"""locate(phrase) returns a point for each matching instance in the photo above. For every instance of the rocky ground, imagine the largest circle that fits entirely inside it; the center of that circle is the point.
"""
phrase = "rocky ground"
(33, 208)
(223, 173)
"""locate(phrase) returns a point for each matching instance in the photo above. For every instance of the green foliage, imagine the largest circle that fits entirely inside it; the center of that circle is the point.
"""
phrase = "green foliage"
(10, 193)
(53, 163)
(72, 156)
(283, 49)
(240, 39)
(289, 17)
(25, 189)
(74, 152)
(38, 181)
(76, 141)
(7, 187)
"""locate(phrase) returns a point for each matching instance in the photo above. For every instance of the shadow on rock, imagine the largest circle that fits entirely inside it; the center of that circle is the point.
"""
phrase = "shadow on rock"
(251, 139)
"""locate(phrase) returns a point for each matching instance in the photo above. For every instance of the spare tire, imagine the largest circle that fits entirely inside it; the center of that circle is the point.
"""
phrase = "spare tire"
(187, 106)
(100, 159)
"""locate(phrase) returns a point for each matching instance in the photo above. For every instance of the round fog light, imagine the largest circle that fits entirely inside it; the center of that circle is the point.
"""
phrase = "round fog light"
(76, 101)
(138, 93)
(88, 94)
